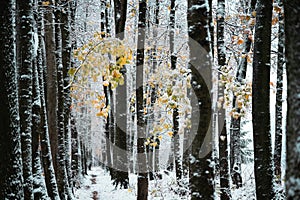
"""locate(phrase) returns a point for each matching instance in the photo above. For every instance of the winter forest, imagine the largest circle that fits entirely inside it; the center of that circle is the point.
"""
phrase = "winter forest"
(156, 99)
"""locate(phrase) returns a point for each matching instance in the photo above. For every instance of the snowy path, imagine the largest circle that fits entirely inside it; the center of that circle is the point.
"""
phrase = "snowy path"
(97, 185)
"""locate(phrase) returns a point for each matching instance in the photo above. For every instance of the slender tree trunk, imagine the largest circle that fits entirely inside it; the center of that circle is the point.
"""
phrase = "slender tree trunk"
(279, 100)
(176, 139)
(46, 155)
(11, 181)
(24, 62)
(66, 61)
(142, 175)
(292, 29)
(61, 167)
(263, 167)
(223, 141)
(235, 123)
(51, 81)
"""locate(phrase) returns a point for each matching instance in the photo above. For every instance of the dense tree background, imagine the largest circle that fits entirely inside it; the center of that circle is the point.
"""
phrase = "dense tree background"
(120, 84)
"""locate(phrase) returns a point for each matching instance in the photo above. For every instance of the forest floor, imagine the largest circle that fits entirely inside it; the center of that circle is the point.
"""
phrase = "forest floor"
(97, 185)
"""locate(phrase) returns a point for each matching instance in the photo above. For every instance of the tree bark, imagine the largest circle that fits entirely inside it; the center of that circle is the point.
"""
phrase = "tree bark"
(263, 167)
(11, 181)
(201, 170)
(279, 96)
(24, 62)
(223, 141)
(142, 175)
(292, 29)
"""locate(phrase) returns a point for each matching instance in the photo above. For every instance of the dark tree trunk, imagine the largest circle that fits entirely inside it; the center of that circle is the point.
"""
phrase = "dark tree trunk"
(292, 30)
(201, 170)
(121, 173)
(66, 61)
(223, 141)
(279, 100)
(263, 167)
(38, 180)
(142, 174)
(51, 81)
(46, 155)
(61, 175)
(24, 61)
(11, 181)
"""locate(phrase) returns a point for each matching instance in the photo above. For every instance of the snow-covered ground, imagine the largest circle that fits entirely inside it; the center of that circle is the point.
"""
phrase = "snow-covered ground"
(97, 185)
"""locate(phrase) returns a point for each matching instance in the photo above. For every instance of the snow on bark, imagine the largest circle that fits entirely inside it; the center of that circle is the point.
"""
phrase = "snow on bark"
(261, 102)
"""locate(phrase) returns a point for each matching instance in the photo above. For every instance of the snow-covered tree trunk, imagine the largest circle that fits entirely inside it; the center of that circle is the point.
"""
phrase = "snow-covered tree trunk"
(142, 184)
(51, 79)
(201, 171)
(235, 123)
(61, 172)
(176, 138)
(263, 167)
(39, 187)
(24, 61)
(292, 29)
(279, 95)
(11, 181)
(46, 155)
(66, 61)
(223, 141)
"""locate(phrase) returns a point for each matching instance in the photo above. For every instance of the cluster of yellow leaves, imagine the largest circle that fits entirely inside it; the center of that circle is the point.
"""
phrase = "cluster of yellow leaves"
(101, 61)
(241, 91)
(170, 86)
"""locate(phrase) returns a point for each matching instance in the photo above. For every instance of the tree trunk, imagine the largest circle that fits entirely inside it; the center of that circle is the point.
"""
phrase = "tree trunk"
(201, 170)
(263, 167)
(142, 174)
(51, 81)
(235, 123)
(223, 141)
(292, 29)
(279, 100)
(11, 181)
(24, 62)
(46, 155)
(121, 173)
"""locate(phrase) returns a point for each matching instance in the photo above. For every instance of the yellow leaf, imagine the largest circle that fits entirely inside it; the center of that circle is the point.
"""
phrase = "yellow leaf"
(45, 3)
(105, 83)
(170, 133)
(240, 41)
(71, 71)
(160, 137)
(102, 114)
(153, 144)
(121, 61)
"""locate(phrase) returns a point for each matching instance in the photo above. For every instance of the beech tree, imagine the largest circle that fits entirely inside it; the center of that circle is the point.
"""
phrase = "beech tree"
(261, 103)
(200, 168)
(292, 28)
(11, 182)
(24, 62)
